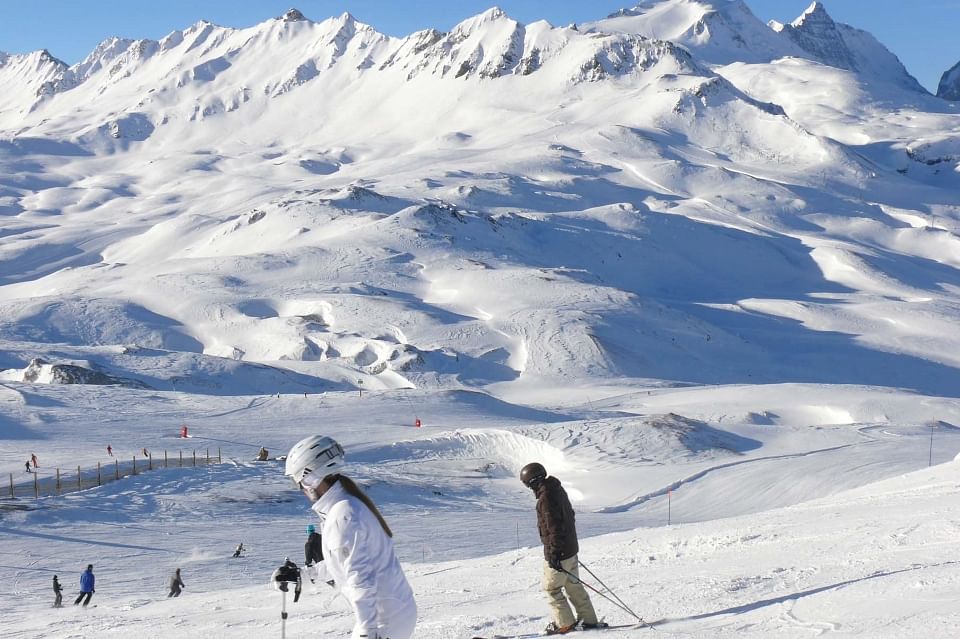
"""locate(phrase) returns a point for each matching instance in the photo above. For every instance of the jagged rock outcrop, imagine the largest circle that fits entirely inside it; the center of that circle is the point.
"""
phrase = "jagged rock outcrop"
(949, 88)
(41, 371)
(816, 33)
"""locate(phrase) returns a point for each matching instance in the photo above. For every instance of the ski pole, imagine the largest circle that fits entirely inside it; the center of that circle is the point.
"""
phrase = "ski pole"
(608, 588)
(618, 604)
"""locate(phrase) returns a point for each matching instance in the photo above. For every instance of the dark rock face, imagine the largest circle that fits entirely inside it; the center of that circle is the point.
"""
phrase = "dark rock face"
(293, 15)
(949, 88)
(73, 374)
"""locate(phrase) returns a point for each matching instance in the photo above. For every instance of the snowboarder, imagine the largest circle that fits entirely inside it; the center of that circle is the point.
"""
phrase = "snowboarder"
(239, 549)
(357, 542)
(176, 583)
(110, 450)
(33, 460)
(28, 466)
(558, 532)
(58, 591)
(87, 586)
(263, 454)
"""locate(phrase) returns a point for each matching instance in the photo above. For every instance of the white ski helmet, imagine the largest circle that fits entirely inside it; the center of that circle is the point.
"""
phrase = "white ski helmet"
(315, 453)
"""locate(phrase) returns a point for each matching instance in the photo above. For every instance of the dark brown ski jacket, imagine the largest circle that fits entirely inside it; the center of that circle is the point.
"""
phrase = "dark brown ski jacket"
(555, 520)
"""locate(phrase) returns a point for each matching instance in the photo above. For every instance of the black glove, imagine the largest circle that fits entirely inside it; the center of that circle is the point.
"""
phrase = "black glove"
(554, 562)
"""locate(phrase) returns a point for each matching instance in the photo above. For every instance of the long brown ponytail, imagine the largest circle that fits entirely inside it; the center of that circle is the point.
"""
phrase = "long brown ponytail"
(354, 490)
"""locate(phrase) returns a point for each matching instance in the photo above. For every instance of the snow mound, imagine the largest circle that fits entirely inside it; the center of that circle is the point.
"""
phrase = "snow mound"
(485, 453)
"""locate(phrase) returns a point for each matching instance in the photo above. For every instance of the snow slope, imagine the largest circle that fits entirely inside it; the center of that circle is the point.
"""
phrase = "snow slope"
(708, 278)
(747, 553)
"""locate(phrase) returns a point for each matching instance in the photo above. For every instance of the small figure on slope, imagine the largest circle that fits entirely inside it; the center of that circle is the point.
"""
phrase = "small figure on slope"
(176, 583)
(58, 592)
(239, 549)
(558, 532)
(357, 542)
(87, 586)
(33, 460)
(110, 450)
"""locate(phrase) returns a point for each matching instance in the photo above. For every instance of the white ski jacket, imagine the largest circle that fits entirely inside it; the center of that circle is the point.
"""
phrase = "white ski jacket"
(359, 557)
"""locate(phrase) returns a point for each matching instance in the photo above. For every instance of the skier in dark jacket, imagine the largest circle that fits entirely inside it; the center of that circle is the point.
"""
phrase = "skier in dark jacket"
(558, 532)
(176, 583)
(313, 550)
(87, 586)
(58, 591)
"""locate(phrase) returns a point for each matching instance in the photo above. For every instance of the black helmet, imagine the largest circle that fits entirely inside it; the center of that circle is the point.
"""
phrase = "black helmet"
(532, 474)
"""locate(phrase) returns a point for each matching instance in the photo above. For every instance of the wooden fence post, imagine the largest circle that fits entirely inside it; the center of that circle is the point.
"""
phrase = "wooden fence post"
(150, 462)
(99, 482)
(116, 468)
(181, 459)
(219, 458)
(58, 481)
(208, 457)
(194, 459)
(164, 458)
(36, 485)
(79, 480)
(134, 464)
(12, 494)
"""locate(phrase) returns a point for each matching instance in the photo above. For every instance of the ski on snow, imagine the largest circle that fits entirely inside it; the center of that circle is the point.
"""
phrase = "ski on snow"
(626, 626)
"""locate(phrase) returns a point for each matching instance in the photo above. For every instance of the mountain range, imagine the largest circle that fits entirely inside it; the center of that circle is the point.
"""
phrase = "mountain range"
(677, 193)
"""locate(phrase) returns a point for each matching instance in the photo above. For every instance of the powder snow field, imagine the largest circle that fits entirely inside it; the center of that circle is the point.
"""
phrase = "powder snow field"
(706, 270)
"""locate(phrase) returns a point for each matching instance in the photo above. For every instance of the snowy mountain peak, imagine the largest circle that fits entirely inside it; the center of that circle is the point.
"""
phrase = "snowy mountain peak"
(844, 47)
(489, 17)
(949, 88)
(293, 15)
(720, 32)
(815, 13)
(816, 33)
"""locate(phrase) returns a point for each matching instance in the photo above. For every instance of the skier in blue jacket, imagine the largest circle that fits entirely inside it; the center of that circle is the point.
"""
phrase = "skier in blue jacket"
(87, 586)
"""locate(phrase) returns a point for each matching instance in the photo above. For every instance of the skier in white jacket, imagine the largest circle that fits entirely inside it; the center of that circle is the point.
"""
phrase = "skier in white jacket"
(357, 543)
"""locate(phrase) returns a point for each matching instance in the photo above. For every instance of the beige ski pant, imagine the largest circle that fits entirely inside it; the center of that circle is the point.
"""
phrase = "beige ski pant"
(555, 582)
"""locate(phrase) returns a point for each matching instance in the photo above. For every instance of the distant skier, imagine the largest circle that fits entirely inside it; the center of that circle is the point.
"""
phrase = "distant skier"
(263, 454)
(558, 532)
(313, 555)
(176, 583)
(357, 542)
(87, 586)
(146, 453)
(238, 550)
(27, 464)
(58, 591)
(110, 450)
(33, 460)
(313, 549)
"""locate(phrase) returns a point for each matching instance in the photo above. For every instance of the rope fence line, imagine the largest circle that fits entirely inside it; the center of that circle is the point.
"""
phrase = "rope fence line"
(59, 483)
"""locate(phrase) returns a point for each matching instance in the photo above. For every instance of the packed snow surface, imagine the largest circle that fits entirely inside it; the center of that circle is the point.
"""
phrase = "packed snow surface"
(705, 270)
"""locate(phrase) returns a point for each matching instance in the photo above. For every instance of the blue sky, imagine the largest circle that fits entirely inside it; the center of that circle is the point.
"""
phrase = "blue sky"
(923, 33)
